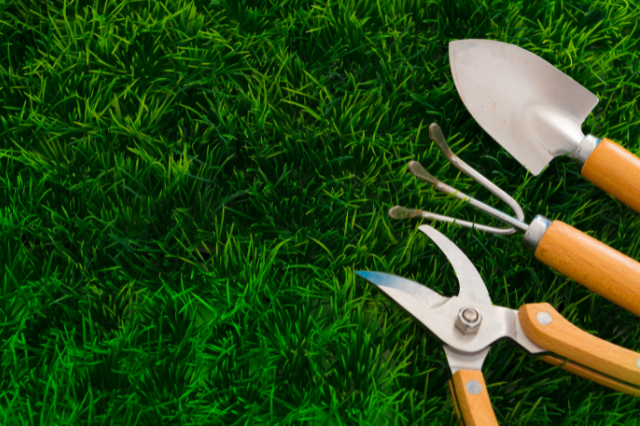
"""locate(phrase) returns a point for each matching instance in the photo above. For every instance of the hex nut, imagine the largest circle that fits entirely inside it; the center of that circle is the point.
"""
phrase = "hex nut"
(468, 320)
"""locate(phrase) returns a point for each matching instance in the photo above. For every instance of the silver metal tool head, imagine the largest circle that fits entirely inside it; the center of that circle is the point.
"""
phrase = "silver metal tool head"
(528, 106)
(472, 286)
(439, 314)
(405, 292)
(416, 169)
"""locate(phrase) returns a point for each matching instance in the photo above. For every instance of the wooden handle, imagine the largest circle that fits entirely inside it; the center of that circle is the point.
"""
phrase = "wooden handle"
(547, 328)
(616, 171)
(591, 263)
(594, 376)
(473, 398)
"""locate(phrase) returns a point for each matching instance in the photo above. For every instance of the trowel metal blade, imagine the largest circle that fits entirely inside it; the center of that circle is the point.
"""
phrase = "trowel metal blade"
(528, 106)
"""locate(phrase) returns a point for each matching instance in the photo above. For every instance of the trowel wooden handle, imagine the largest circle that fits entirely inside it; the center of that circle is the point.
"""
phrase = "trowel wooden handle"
(616, 171)
(472, 398)
(591, 263)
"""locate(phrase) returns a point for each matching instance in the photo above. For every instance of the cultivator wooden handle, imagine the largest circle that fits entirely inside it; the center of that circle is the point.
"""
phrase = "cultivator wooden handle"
(591, 263)
(615, 170)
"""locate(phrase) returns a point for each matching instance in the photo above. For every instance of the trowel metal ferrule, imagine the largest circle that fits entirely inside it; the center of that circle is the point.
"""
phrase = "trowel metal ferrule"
(584, 150)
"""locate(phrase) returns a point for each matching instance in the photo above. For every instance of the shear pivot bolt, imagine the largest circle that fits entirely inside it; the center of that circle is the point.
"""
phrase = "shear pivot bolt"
(468, 320)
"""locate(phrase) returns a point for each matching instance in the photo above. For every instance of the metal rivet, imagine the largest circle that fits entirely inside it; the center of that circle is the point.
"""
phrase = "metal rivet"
(638, 363)
(474, 387)
(544, 318)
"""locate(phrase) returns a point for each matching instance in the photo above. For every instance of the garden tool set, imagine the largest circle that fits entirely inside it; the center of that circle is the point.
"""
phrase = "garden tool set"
(535, 112)
(468, 324)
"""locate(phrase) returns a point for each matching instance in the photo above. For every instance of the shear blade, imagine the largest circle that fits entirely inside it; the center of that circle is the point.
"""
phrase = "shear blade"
(471, 283)
(408, 294)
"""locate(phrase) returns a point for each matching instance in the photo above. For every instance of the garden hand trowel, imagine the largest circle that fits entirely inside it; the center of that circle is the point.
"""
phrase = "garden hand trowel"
(535, 112)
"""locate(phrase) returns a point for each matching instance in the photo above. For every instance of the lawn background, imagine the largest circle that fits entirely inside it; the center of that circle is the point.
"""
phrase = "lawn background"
(188, 187)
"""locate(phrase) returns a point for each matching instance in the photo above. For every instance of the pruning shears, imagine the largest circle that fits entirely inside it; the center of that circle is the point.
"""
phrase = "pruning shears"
(468, 324)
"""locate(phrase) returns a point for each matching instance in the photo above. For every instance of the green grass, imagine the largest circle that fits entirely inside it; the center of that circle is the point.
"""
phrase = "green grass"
(188, 187)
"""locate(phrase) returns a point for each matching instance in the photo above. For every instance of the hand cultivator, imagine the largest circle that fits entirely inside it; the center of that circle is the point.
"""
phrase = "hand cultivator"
(580, 257)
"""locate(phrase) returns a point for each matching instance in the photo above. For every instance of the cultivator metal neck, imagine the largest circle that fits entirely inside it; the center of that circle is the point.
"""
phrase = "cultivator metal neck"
(516, 223)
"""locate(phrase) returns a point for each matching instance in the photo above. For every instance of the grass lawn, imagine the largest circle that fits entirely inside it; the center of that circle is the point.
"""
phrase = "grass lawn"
(186, 190)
